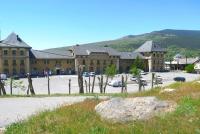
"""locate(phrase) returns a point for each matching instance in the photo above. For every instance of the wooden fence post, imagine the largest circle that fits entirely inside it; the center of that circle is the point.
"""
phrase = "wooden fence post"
(89, 84)
(2, 88)
(48, 83)
(86, 87)
(126, 79)
(11, 82)
(69, 86)
(93, 83)
(152, 79)
(122, 89)
(80, 80)
(30, 85)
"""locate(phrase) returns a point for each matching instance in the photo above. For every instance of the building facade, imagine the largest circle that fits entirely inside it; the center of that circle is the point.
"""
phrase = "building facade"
(14, 55)
(18, 58)
(155, 55)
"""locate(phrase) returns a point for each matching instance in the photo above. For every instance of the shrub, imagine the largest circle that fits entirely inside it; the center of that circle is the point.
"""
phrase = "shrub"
(189, 68)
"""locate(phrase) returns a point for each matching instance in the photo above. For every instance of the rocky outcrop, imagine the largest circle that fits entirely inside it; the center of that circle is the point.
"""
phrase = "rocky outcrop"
(130, 109)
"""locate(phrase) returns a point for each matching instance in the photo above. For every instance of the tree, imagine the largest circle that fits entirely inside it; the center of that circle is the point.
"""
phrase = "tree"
(93, 83)
(136, 72)
(189, 68)
(2, 88)
(80, 80)
(110, 71)
(30, 85)
(138, 63)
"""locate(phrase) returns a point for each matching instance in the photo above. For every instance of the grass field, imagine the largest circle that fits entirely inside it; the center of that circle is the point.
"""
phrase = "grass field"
(82, 119)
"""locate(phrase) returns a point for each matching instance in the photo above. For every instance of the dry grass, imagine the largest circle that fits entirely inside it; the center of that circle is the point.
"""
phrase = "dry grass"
(82, 119)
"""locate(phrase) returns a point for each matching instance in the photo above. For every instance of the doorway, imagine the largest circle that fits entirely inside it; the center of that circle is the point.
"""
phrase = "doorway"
(57, 71)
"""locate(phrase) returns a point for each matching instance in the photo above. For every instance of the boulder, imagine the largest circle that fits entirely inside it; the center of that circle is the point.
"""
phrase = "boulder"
(130, 109)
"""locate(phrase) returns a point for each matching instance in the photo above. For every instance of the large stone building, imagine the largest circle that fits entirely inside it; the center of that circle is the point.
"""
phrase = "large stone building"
(155, 55)
(16, 57)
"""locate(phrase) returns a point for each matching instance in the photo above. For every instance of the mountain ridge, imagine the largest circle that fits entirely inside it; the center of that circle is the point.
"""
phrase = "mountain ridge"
(185, 42)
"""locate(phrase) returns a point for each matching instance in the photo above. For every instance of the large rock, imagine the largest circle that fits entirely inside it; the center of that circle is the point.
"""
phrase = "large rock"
(130, 109)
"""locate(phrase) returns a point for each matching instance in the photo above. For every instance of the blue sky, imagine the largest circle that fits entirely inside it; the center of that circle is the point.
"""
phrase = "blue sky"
(55, 23)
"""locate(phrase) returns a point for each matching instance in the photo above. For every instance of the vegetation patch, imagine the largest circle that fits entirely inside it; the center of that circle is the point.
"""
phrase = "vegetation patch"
(82, 119)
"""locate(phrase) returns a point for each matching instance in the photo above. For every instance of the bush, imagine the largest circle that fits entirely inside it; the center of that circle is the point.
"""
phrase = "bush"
(189, 68)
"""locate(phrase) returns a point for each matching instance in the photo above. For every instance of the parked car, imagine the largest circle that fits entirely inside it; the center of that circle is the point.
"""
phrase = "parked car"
(3, 77)
(15, 77)
(22, 75)
(179, 79)
(143, 82)
(143, 73)
(92, 74)
(133, 78)
(115, 83)
(86, 74)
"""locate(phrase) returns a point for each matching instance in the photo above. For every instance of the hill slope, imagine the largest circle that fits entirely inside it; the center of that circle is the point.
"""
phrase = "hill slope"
(186, 42)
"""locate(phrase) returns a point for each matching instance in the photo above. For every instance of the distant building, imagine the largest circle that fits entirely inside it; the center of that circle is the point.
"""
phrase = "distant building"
(197, 66)
(180, 62)
(18, 58)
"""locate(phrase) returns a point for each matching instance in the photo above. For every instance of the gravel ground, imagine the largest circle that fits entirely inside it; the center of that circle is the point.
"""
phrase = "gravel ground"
(16, 109)
(59, 84)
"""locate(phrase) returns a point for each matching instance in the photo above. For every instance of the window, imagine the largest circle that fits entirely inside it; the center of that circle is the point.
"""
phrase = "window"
(6, 71)
(22, 70)
(46, 61)
(21, 62)
(14, 71)
(67, 61)
(83, 62)
(14, 52)
(104, 62)
(5, 52)
(98, 62)
(58, 62)
(111, 62)
(5, 62)
(14, 63)
(21, 52)
(91, 62)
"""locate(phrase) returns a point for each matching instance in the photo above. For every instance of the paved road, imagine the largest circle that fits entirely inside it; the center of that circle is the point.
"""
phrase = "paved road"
(16, 109)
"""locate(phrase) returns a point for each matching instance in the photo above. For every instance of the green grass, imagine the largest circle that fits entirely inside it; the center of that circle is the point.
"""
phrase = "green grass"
(82, 119)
